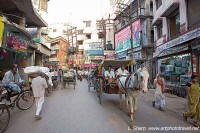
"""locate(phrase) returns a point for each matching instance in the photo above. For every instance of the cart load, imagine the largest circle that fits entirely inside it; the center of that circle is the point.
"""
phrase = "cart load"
(68, 77)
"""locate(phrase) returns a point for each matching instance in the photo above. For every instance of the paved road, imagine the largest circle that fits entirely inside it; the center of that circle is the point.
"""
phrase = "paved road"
(79, 111)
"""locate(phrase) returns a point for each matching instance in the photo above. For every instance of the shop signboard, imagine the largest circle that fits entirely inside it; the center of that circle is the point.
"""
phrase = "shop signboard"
(94, 52)
(110, 54)
(182, 39)
(16, 44)
(121, 55)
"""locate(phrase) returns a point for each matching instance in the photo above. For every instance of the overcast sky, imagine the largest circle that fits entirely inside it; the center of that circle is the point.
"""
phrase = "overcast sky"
(76, 11)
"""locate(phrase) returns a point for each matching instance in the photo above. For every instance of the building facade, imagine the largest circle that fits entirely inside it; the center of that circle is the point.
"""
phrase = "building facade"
(176, 30)
(22, 51)
(59, 56)
(134, 34)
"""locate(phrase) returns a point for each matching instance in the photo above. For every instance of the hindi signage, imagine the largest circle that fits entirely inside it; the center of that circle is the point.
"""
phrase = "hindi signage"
(16, 44)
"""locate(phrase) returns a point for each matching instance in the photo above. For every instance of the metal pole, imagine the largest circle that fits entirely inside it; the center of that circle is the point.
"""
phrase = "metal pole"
(130, 21)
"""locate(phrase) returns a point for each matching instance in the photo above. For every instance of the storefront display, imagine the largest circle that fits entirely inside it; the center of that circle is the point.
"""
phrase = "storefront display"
(176, 68)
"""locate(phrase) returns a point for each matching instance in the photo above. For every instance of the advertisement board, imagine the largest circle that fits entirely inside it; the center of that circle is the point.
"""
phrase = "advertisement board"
(123, 37)
(136, 33)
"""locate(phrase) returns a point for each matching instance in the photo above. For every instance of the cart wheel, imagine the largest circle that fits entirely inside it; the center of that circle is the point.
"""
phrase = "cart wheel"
(74, 85)
(100, 94)
(88, 86)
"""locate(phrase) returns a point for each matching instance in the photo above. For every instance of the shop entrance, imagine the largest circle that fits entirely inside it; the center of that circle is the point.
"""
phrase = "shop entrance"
(176, 69)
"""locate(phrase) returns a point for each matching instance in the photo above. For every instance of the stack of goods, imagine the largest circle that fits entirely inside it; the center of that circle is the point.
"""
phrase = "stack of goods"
(68, 76)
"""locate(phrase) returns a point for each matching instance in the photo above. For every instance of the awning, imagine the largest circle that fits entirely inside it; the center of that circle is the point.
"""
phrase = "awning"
(174, 50)
(170, 9)
(157, 21)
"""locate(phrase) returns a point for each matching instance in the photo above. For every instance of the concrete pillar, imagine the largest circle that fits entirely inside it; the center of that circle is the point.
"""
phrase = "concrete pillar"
(22, 20)
(39, 31)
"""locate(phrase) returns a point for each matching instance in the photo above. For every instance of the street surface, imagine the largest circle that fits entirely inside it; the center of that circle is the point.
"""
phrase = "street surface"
(79, 111)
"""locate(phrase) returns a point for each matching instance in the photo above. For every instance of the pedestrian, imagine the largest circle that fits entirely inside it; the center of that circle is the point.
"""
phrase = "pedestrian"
(60, 74)
(159, 85)
(39, 85)
(193, 96)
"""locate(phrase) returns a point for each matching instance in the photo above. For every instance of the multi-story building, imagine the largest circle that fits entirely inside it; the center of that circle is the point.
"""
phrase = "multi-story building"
(15, 17)
(176, 29)
(89, 44)
(58, 29)
(134, 32)
(59, 47)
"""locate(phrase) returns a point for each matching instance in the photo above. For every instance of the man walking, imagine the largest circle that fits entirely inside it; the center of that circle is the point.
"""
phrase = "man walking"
(38, 85)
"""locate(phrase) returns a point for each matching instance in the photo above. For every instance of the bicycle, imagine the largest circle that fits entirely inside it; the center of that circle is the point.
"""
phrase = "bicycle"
(23, 100)
(4, 117)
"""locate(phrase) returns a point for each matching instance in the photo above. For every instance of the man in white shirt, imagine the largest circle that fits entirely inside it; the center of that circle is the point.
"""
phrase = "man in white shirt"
(38, 85)
(109, 74)
(122, 71)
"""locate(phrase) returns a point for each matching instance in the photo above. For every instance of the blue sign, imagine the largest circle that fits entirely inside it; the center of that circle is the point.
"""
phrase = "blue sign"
(94, 52)
(121, 54)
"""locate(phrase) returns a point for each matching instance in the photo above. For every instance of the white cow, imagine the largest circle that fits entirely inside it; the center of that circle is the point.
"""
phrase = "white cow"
(137, 81)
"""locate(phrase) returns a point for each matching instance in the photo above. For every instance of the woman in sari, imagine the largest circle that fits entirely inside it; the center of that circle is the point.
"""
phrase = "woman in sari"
(159, 85)
(193, 94)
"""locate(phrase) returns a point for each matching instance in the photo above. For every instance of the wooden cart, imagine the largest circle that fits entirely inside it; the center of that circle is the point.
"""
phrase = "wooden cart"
(100, 83)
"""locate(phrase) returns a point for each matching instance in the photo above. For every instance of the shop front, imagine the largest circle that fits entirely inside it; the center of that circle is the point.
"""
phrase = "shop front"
(176, 65)
(196, 59)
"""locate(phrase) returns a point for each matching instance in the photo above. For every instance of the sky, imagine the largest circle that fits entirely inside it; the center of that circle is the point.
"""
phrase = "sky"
(76, 11)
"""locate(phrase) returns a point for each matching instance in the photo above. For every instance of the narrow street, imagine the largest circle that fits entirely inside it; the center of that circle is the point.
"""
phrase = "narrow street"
(79, 111)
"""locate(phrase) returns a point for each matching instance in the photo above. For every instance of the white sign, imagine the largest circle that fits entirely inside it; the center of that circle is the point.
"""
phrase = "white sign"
(181, 39)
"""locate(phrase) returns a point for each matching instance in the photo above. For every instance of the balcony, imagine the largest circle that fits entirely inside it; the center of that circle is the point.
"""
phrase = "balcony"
(80, 37)
(53, 59)
(169, 6)
(56, 47)
(53, 52)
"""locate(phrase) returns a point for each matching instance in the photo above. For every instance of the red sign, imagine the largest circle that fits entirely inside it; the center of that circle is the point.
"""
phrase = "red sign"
(195, 65)
(16, 44)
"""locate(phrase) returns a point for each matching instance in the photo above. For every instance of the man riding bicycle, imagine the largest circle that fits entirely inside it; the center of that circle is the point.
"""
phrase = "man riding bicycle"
(12, 79)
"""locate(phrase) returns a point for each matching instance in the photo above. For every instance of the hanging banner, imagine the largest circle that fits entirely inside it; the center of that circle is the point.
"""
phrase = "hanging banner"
(1, 30)
(136, 33)
(16, 44)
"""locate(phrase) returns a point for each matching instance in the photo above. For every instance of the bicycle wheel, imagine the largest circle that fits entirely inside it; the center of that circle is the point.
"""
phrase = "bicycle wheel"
(25, 100)
(4, 117)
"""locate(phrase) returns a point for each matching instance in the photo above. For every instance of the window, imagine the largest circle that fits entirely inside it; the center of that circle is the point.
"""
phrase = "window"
(80, 42)
(54, 30)
(158, 4)
(159, 31)
(88, 36)
(100, 35)
(174, 26)
(151, 6)
(88, 23)
(152, 36)
(80, 32)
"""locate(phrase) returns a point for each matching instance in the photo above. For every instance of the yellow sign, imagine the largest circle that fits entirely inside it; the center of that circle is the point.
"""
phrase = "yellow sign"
(1, 30)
